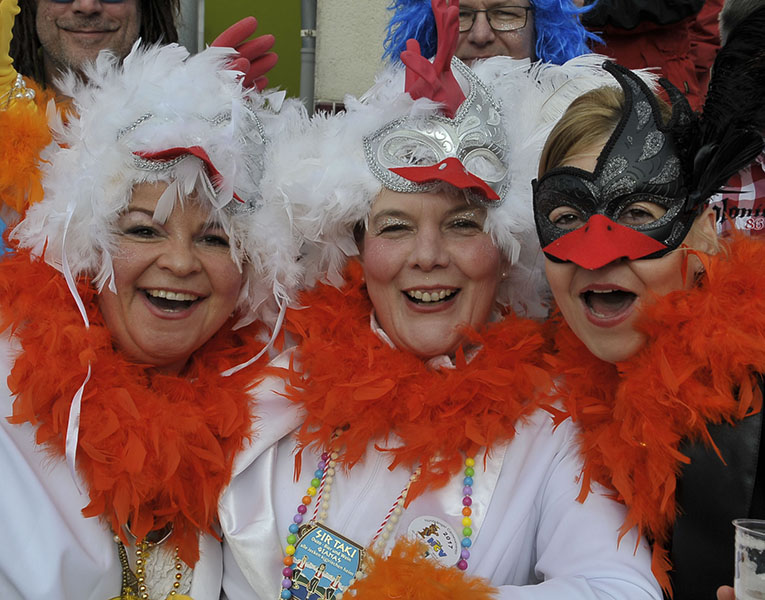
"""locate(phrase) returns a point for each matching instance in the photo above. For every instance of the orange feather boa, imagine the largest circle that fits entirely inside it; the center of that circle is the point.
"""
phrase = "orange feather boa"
(24, 135)
(698, 367)
(153, 449)
(358, 388)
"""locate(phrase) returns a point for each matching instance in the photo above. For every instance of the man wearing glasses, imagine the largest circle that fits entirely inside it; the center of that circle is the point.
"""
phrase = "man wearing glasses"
(495, 28)
(546, 30)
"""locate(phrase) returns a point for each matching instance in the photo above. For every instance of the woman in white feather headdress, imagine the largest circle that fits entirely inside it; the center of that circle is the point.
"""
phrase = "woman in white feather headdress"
(138, 299)
(417, 370)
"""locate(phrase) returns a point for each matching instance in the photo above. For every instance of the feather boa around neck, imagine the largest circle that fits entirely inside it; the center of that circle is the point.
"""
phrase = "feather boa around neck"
(357, 387)
(698, 367)
(153, 449)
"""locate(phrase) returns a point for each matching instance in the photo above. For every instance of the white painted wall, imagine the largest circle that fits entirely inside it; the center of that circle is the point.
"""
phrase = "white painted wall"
(349, 48)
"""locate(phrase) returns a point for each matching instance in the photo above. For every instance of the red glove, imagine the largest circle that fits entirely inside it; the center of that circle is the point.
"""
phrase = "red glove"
(254, 59)
(435, 80)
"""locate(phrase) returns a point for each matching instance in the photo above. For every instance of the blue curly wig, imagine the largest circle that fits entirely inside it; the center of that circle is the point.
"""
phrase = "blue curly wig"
(560, 35)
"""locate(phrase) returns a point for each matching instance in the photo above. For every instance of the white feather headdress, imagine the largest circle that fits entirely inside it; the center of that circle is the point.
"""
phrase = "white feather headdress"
(162, 98)
(334, 180)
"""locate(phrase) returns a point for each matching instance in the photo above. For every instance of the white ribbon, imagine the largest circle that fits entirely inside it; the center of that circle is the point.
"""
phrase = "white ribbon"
(73, 431)
(277, 327)
(73, 426)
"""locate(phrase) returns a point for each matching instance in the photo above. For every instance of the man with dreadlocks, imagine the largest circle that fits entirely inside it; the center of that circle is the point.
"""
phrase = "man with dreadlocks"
(47, 39)
(52, 37)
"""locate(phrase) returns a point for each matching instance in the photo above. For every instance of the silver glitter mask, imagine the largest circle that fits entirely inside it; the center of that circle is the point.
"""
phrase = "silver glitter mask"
(474, 136)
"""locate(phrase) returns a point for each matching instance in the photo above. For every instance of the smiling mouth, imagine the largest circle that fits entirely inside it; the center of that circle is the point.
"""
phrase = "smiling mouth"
(88, 31)
(171, 301)
(607, 304)
(430, 296)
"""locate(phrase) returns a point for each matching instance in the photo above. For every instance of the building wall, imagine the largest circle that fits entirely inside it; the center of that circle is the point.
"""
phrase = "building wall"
(349, 48)
(282, 19)
(349, 41)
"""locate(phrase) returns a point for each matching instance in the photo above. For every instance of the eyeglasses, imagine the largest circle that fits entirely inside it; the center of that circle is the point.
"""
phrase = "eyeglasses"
(501, 18)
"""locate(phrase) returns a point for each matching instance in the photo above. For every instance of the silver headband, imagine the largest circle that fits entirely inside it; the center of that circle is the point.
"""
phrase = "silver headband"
(255, 165)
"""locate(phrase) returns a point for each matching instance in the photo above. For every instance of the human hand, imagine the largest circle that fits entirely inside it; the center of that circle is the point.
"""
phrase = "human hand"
(254, 59)
(726, 592)
(8, 11)
(435, 80)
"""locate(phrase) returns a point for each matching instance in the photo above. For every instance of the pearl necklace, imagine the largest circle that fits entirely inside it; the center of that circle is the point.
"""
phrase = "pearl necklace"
(321, 488)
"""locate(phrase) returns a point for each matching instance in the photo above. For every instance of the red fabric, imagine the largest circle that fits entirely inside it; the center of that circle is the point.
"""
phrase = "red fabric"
(698, 367)
(667, 47)
(357, 388)
(153, 449)
(742, 206)
(705, 41)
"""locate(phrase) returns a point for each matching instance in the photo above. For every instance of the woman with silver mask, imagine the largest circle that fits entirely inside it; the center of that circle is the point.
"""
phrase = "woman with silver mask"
(421, 464)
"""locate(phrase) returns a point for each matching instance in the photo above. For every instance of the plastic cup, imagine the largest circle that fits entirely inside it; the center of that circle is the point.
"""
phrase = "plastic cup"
(749, 578)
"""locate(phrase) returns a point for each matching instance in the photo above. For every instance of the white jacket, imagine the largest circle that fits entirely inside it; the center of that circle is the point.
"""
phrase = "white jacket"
(531, 538)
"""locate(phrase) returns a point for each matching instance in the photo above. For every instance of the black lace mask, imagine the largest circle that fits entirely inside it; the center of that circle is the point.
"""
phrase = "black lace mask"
(639, 163)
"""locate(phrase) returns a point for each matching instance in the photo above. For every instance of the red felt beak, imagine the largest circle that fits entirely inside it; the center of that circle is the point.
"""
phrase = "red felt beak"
(198, 151)
(601, 241)
(450, 170)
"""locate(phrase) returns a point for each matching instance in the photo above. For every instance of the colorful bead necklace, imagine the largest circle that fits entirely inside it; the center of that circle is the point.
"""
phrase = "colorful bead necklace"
(321, 488)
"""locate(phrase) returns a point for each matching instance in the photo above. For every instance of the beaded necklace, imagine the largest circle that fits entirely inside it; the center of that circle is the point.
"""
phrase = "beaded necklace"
(321, 487)
(134, 585)
(448, 415)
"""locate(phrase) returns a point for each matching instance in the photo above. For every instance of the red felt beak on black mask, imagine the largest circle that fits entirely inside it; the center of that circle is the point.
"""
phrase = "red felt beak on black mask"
(600, 242)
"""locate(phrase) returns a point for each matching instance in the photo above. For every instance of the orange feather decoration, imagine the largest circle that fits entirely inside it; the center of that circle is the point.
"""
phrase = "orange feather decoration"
(698, 367)
(153, 449)
(25, 133)
(356, 388)
(407, 574)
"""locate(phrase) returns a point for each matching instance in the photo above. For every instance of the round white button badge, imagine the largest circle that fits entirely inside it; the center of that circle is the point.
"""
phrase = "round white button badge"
(441, 540)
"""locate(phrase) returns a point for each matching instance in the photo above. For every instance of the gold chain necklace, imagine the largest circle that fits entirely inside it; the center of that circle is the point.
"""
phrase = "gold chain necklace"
(133, 586)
